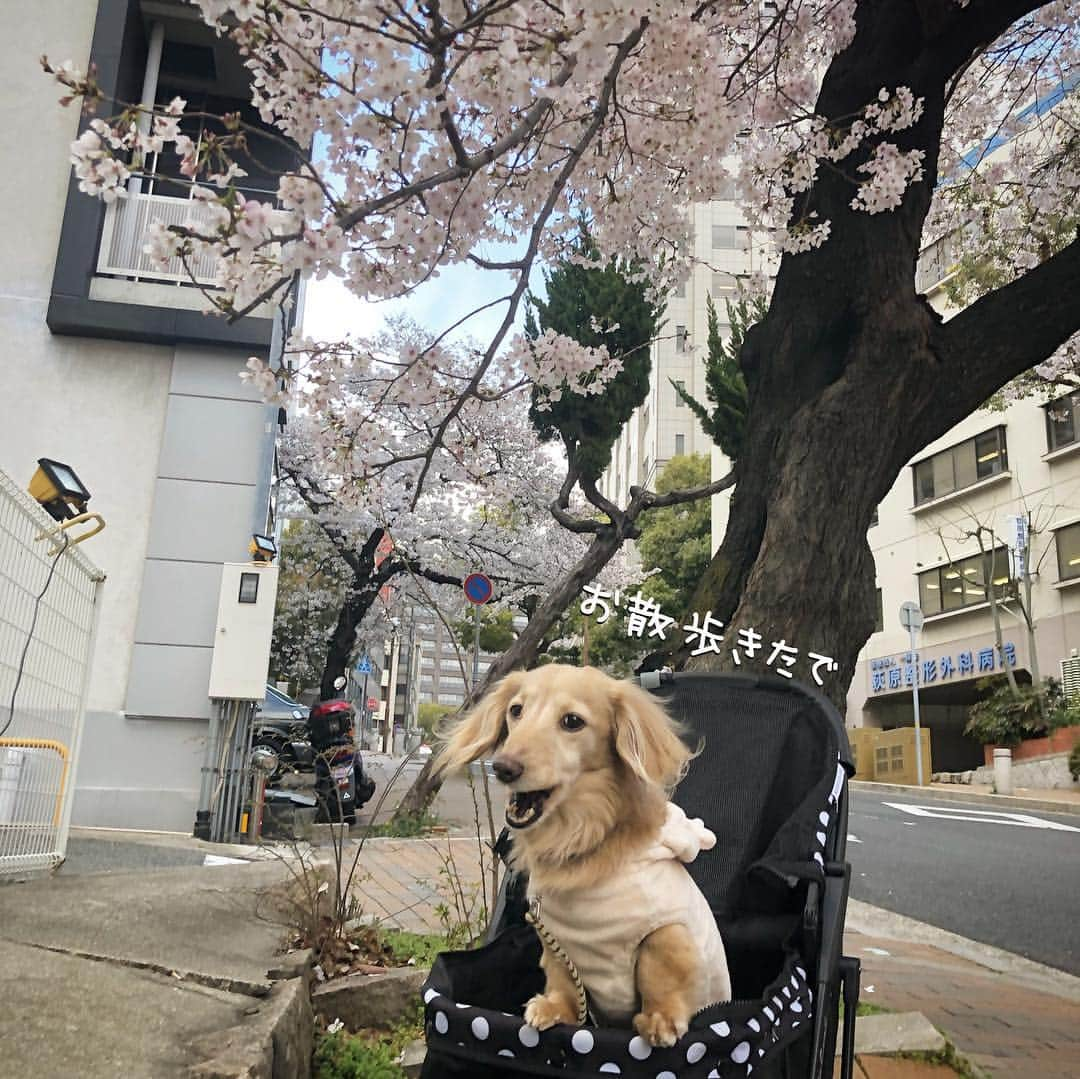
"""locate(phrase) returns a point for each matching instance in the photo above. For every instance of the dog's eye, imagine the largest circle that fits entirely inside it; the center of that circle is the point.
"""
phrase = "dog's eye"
(572, 722)
(515, 711)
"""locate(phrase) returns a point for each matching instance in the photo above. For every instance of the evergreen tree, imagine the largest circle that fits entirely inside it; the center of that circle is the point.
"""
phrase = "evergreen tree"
(725, 387)
(595, 305)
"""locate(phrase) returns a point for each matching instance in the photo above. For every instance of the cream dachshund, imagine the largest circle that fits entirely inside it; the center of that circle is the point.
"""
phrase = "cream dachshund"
(589, 761)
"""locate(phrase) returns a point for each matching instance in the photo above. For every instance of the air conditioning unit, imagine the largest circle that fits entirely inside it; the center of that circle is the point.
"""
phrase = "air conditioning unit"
(1070, 676)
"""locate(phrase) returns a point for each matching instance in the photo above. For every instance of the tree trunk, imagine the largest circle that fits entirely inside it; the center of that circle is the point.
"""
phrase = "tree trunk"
(339, 648)
(851, 373)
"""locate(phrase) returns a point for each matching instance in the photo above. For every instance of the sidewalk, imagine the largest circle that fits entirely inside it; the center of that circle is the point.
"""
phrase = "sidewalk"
(151, 974)
(1019, 1023)
(1012, 1018)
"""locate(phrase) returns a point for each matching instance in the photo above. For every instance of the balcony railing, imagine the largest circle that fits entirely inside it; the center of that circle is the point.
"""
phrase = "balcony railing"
(937, 261)
(125, 233)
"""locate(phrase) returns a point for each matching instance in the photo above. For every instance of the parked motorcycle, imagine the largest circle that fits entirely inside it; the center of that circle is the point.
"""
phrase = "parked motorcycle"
(341, 786)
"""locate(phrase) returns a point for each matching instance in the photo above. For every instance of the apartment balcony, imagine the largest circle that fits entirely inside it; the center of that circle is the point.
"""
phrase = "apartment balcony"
(125, 273)
(104, 285)
(123, 240)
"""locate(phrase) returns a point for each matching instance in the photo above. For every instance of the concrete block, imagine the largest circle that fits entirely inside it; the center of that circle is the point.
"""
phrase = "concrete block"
(413, 1058)
(275, 1041)
(896, 1032)
(368, 1000)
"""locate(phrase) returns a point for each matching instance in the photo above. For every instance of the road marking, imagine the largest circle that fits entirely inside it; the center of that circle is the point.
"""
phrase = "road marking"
(853, 838)
(981, 816)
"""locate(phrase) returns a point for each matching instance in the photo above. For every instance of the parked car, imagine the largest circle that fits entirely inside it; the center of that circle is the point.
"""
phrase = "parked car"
(281, 725)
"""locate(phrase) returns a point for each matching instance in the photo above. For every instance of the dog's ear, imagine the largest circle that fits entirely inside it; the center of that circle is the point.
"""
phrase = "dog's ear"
(646, 738)
(479, 732)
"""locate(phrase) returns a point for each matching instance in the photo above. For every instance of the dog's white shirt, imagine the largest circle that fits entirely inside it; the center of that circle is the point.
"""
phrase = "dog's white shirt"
(602, 927)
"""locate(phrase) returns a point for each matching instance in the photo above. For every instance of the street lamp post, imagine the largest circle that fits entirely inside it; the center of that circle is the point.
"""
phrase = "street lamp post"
(911, 618)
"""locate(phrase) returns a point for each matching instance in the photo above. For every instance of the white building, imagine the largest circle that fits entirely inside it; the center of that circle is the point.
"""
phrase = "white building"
(114, 370)
(664, 427)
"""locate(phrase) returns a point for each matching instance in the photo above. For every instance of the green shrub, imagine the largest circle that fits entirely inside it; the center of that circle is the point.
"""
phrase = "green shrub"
(347, 1056)
(369, 1054)
(1006, 718)
(1074, 761)
(423, 947)
(405, 827)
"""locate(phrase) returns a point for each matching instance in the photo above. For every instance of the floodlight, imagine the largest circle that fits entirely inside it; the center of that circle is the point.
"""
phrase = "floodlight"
(262, 548)
(61, 493)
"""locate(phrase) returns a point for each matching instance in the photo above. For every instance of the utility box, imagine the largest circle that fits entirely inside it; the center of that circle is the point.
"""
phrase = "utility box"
(862, 740)
(245, 623)
(894, 756)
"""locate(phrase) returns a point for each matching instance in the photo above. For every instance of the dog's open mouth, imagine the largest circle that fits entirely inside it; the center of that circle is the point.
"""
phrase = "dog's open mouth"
(526, 807)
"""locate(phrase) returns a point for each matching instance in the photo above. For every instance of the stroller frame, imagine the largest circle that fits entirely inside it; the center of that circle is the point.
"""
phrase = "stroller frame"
(803, 874)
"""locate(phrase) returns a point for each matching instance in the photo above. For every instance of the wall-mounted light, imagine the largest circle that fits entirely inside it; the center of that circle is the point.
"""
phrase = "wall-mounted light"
(262, 548)
(59, 490)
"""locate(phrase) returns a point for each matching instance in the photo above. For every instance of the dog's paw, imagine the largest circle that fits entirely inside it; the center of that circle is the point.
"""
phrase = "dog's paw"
(542, 1012)
(657, 1028)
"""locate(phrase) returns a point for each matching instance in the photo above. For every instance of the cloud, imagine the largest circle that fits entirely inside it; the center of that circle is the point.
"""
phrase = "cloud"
(331, 312)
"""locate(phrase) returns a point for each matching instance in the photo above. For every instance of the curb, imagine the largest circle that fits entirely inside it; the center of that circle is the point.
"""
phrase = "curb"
(877, 922)
(959, 794)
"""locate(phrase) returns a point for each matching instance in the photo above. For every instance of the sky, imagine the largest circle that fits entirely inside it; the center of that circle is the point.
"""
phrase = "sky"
(331, 311)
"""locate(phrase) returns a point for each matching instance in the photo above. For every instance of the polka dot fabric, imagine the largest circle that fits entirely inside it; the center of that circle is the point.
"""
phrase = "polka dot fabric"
(725, 1041)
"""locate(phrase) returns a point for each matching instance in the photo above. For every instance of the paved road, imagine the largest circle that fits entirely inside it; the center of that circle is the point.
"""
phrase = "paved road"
(962, 867)
(454, 805)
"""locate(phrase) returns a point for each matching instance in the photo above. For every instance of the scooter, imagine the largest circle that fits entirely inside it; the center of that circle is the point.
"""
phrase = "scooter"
(341, 786)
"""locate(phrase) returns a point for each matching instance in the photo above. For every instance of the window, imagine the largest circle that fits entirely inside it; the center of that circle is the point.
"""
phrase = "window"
(724, 285)
(963, 583)
(249, 588)
(960, 466)
(725, 190)
(1068, 551)
(680, 445)
(1061, 422)
(679, 402)
(680, 338)
(724, 236)
(879, 617)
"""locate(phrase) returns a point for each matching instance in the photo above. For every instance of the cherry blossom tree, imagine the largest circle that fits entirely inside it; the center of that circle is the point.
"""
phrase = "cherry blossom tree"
(478, 132)
(311, 592)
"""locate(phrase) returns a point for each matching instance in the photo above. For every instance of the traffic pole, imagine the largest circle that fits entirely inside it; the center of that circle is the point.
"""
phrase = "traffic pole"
(915, 706)
(476, 648)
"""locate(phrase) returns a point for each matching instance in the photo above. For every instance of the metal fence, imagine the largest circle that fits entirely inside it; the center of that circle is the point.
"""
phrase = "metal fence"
(48, 611)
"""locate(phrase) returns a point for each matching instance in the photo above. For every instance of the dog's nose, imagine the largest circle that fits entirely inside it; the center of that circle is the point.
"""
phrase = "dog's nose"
(506, 769)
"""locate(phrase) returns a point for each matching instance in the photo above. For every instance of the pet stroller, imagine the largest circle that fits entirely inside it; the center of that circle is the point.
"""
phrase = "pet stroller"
(770, 781)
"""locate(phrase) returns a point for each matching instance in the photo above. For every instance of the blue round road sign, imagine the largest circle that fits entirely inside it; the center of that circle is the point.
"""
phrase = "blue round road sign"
(478, 588)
